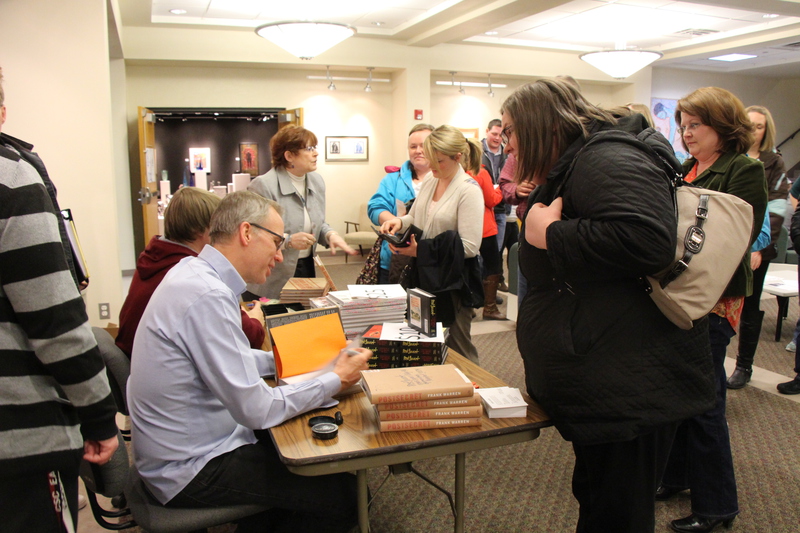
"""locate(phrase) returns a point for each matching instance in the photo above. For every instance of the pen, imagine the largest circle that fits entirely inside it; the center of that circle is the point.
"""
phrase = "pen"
(350, 348)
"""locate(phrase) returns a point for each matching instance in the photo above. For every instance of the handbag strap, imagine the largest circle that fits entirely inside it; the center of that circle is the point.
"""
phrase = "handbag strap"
(692, 242)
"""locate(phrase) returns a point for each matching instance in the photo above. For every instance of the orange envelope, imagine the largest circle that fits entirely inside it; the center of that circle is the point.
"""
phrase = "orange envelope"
(307, 345)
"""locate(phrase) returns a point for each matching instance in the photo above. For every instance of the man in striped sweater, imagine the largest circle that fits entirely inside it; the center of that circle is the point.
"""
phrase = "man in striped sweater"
(55, 402)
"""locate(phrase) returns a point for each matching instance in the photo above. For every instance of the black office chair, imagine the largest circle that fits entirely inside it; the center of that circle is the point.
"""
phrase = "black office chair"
(117, 478)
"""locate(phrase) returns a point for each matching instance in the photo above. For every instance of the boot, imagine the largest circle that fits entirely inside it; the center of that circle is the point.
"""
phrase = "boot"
(490, 310)
(502, 287)
(749, 331)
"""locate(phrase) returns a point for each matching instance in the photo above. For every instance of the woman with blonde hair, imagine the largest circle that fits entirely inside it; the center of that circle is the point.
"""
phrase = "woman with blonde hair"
(448, 209)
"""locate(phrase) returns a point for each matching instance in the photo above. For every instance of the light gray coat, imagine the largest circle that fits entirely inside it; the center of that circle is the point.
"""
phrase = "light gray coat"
(277, 185)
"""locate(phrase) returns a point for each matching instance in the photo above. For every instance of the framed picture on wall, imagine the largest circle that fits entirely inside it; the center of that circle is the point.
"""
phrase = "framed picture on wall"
(470, 133)
(200, 159)
(663, 110)
(248, 157)
(347, 148)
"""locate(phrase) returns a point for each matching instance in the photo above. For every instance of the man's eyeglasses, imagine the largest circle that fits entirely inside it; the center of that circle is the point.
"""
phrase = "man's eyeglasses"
(691, 127)
(281, 238)
(508, 130)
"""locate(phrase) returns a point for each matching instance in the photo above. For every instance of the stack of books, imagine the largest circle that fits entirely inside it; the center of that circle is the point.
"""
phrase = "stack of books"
(426, 397)
(395, 345)
(365, 305)
(301, 290)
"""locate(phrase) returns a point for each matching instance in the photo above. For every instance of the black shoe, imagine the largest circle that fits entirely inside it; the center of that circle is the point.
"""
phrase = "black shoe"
(697, 524)
(790, 387)
(665, 493)
(739, 378)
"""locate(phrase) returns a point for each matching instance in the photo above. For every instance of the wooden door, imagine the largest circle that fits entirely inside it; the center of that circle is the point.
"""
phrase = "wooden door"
(148, 191)
(290, 116)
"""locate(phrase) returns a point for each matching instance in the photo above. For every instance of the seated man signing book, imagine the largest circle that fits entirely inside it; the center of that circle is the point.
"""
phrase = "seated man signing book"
(196, 394)
(186, 228)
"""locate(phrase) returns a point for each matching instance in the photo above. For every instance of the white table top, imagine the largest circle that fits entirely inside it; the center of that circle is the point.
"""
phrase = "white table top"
(781, 280)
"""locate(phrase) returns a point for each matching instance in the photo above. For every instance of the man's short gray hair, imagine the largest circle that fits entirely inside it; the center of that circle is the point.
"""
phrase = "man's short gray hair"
(238, 207)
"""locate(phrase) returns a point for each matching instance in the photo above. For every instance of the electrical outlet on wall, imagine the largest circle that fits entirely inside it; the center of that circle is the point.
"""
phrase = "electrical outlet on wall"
(105, 311)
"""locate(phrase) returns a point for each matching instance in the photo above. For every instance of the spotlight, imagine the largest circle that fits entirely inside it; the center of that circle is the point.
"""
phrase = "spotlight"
(491, 92)
(368, 88)
(331, 86)
(461, 89)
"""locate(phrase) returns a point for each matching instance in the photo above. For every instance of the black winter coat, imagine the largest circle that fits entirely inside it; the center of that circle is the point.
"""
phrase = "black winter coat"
(599, 356)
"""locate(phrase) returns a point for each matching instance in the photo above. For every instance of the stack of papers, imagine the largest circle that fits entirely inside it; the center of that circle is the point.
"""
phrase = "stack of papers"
(503, 402)
(365, 305)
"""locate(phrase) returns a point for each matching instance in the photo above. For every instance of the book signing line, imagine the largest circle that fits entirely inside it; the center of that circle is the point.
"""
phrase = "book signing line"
(385, 344)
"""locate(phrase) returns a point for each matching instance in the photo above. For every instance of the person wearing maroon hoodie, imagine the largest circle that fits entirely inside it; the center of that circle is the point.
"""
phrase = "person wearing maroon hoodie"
(186, 231)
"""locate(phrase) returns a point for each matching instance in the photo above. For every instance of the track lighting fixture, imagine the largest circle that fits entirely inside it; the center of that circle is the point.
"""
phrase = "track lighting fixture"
(491, 92)
(368, 88)
(331, 86)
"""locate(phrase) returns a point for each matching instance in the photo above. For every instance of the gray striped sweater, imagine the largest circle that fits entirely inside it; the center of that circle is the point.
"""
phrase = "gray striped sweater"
(54, 393)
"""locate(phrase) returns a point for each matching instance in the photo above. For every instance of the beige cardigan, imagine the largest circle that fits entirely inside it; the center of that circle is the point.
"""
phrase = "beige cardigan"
(460, 208)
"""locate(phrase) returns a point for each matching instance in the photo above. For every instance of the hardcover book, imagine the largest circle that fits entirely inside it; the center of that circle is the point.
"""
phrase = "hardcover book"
(469, 411)
(406, 425)
(475, 399)
(416, 383)
(422, 311)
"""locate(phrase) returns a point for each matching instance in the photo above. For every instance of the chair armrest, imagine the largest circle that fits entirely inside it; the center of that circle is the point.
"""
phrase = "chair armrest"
(347, 226)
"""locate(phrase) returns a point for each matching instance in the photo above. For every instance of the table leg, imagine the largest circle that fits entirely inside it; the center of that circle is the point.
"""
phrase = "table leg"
(363, 501)
(783, 311)
(461, 461)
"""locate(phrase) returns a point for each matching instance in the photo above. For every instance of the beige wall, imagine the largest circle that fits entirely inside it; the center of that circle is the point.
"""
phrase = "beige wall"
(58, 96)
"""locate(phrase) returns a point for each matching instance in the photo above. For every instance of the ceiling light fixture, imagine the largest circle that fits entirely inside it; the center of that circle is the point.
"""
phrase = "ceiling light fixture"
(305, 40)
(461, 89)
(178, 11)
(331, 86)
(771, 16)
(622, 62)
(491, 92)
(732, 57)
(368, 88)
(491, 32)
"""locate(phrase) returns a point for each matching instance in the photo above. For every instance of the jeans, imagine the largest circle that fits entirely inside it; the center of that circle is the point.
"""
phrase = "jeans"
(253, 473)
(614, 482)
(500, 218)
(701, 459)
(522, 287)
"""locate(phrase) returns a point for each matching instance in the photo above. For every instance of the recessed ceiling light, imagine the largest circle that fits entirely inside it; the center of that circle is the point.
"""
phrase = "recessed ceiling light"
(178, 11)
(732, 57)
(771, 16)
(378, 23)
(491, 32)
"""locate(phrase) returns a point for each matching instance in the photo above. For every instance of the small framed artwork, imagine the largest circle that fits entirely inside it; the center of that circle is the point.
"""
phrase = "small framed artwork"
(470, 133)
(347, 148)
(248, 157)
(200, 159)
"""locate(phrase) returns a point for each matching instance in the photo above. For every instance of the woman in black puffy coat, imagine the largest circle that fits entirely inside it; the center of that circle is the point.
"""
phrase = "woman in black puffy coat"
(614, 374)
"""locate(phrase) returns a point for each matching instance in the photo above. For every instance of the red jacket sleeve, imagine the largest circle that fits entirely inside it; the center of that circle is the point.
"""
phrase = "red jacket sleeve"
(491, 196)
(254, 331)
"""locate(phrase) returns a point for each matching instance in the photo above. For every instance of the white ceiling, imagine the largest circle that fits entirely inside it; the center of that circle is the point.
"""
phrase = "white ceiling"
(687, 33)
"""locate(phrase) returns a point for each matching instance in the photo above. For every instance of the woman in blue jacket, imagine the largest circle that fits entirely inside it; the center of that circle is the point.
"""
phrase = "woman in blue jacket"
(401, 186)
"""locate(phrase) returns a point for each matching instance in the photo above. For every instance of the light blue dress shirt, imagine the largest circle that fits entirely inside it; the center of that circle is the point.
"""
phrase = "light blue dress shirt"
(195, 390)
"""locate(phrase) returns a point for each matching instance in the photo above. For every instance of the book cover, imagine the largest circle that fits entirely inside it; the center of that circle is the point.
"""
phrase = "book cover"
(468, 411)
(415, 383)
(406, 425)
(475, 399)
(422, 311)
(305, 342)
(377, 292)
